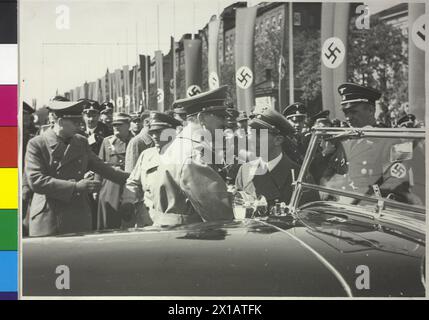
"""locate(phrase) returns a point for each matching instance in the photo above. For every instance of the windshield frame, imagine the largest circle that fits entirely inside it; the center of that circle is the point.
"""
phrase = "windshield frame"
(356, 133)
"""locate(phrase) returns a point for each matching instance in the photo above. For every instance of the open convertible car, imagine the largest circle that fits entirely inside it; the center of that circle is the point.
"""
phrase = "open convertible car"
(363, 237)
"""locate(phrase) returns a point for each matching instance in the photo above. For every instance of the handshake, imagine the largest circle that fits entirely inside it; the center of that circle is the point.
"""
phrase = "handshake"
(88, 186)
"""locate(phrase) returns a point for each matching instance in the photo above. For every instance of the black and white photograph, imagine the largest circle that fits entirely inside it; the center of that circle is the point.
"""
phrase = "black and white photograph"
(210, 149)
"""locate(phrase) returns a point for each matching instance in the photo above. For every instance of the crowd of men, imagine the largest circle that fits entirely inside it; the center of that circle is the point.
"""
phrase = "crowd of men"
(92, 169)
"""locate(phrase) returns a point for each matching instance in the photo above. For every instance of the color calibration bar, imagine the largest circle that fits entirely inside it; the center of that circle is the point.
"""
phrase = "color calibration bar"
(8, 151)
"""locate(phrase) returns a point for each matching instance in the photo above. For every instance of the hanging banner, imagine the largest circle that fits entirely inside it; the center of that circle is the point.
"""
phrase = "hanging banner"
(244, 46)
(283, 58)
(159, 77)
(213, 53)
(127, 90)
(145, 78)
(103, 88)
(193, 62)
(118, 90)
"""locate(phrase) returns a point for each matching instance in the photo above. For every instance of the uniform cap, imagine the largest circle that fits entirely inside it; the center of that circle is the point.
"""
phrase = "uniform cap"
(135, 116)
(242, 116)
(296, 109)
(351, 93)
(407, 120)
(90, 106)
(120, 117)
(64, 108)
(209, 101)
(268, 118)
(106, 107)
(162, 120)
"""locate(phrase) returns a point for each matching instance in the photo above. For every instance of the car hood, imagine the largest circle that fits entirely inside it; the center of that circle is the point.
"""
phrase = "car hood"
(316, 255)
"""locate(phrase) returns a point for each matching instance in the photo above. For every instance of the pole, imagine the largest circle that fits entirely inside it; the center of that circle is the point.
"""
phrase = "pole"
(291, 78)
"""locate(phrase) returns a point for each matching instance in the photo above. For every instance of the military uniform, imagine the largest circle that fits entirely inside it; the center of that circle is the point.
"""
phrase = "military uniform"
(53, 167)
(189, 188)
(112, 152)
(135, 147)
(272, 179)
(297, 113)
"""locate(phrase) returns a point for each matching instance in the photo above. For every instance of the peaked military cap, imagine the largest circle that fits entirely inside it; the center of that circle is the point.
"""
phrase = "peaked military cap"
(106, 107)
(296, 109)
(179, 111)
(162, 120)
(407, 121)
(209, 101)
(64, 108)
(321, 116)
(351, 93)
(26, 108)
(90, 106)
(268, 118)
(120, 117)
(135, 116)
(145, 114)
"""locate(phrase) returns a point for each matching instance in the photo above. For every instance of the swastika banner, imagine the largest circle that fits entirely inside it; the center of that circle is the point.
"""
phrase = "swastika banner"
(244, 46)
(193, 62)
(159, 70)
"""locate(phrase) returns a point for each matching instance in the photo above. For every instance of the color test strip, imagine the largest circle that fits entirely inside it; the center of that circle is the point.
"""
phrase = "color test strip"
(9, 151)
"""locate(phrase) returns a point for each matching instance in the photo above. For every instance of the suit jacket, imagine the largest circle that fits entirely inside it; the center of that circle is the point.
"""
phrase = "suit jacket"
(53, 169)
(274, 185)
(188, 188)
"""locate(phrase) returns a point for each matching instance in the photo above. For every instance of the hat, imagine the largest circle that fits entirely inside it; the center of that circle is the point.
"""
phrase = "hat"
(351, 93)
(268, 118)
(296, 109)
(64, 108)
(120, 117)
(321, 116)
(242, 116)
(407, 121)
(26, 108)
(135, 116)
(106, 107)
(210, 101)
(145, 114)
(162, 120)
(90, 106)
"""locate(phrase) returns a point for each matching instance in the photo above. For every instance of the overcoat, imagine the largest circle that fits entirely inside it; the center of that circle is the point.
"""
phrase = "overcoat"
(53, 168)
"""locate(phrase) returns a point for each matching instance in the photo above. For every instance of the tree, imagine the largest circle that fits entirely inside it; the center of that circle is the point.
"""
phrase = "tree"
(378, 58)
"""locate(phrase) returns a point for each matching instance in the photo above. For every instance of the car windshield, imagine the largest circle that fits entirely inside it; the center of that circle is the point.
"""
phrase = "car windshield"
(365, 166)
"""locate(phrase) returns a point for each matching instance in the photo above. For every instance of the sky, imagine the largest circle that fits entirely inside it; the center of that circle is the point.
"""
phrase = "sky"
(104, 34)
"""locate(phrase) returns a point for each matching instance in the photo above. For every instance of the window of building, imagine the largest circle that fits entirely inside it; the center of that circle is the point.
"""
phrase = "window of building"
(297, 18)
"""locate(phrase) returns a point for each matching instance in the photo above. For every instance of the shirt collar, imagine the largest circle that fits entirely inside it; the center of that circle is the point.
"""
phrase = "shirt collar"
(273, 163)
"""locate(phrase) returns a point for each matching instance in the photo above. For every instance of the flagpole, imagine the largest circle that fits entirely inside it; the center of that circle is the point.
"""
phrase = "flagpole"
(291, 71)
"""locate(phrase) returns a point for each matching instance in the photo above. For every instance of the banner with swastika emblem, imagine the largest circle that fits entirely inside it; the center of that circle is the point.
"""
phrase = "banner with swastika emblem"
(244, 50)
(213, 53)
(193, 62)
(159, 70)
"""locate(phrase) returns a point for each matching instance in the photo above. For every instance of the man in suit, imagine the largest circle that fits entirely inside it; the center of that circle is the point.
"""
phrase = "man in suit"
(56, 162)
(270, 175)
(189, 187)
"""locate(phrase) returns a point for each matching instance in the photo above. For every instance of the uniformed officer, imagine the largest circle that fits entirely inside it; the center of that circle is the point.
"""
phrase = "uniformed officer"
(242, 120)
(189, 188)
(56, 162)
(366, 164)
(139, 143)
(95, 130)
(106, 115)
(271, 175)
(407, 121)
(29, 132)
(180, 114)
(112, 151)
(137, 199)
(136, 123)
(296, 114)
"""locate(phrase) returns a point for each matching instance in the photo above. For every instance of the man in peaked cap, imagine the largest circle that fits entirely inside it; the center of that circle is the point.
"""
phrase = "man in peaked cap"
(358, 104)
(95, 130)
(407, 121)
(137, 199)
(271, 175)
(113, 151)
(106, 114)
(136, 123)
(189, 187)
(56, 162)
(296, 114)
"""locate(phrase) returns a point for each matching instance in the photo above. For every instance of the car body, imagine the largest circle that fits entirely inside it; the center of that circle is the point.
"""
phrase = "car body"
(375, 248)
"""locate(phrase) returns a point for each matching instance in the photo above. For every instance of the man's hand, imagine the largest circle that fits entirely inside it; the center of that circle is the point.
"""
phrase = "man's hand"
(86, 185)
(127, 211)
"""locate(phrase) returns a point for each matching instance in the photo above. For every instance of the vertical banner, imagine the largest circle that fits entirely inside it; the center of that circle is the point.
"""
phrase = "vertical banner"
(417, 20)
(86, 90)
(193, 61)
(327, 31)
(213, 52)
(283, 83)
(103, 88)
(134, 99)
(91, 86)
(127, 91)
(173, 87)
(159, 76)
(244, 46)
(144, 76)
(341, 29)
(97, 94)
(111, 88)
(118, 91)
